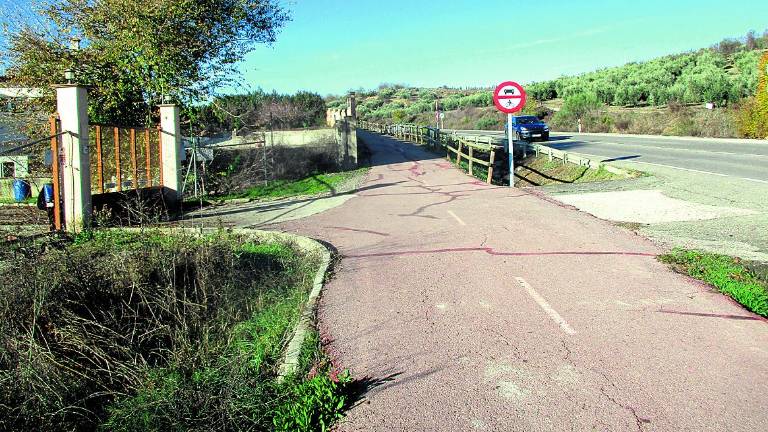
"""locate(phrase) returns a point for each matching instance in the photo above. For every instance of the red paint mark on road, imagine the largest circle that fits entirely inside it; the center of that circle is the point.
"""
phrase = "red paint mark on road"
(415, 169)
(452, 196)
(416, 180)
(378, 177)
(492, 251)
(358, 230)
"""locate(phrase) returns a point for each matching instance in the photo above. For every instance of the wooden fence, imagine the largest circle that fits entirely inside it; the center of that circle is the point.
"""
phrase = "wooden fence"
(126, 158)
(475, 150)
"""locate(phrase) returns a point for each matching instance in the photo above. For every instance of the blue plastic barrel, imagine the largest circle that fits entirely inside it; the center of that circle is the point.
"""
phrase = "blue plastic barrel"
(21, 190)
(48, 192)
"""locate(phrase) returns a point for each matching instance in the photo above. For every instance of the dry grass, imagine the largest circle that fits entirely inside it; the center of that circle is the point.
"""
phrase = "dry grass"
(145, 330)
(541, 172)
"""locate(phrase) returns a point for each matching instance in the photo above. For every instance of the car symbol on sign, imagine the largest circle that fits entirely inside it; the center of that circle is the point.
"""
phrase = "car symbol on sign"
(509, 91)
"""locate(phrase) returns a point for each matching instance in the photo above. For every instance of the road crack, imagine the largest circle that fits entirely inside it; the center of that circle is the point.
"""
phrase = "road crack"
(567, 353)
(639, 421)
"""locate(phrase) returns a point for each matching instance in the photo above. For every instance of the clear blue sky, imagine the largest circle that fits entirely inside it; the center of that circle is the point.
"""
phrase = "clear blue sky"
(332, 46)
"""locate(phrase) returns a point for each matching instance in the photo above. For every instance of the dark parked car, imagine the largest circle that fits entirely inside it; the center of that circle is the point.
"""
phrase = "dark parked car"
(530, 128)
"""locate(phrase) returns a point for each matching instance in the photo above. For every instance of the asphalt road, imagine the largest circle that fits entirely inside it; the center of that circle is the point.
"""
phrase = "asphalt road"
(745, 159)
(463, 306)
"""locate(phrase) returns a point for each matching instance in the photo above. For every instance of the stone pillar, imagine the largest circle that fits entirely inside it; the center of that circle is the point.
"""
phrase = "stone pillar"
(170, 129)
(346, 137)
(352, 106)
(72, 106)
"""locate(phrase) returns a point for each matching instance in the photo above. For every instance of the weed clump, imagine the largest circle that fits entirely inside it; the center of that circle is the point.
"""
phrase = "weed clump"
(725, 273)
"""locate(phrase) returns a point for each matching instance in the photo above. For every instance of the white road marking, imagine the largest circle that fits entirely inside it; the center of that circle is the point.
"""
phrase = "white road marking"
(753, 155)
(461, 222)
(546, 307)
(702, 172)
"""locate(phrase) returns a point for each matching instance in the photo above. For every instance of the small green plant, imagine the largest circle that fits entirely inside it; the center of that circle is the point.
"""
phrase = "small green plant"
(313, 404)
(725, 273)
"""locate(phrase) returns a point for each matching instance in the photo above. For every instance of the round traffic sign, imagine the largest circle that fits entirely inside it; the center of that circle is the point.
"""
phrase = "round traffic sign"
(509, 97)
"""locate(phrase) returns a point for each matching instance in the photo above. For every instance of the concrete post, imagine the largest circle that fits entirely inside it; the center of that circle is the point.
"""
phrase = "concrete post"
(170, 128)
(352, 106)
(72, 106)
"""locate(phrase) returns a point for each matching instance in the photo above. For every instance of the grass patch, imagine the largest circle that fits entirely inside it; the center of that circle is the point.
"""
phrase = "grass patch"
(315, 184)
(6, 200)
(146, 330)
(729, 275)
(540, 171)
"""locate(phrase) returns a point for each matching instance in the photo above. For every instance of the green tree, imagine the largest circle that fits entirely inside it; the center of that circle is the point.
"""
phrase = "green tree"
(583, 106)
(134, 52)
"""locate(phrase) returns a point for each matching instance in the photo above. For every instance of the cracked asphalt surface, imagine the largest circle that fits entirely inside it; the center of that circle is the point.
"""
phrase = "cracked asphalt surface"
(453, 301)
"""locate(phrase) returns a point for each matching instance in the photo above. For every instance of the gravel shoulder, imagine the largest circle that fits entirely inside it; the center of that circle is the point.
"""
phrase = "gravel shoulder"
(695, 210)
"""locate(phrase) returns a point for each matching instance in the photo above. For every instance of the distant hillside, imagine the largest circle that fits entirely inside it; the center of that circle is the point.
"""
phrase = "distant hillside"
(723, 74)
(708, 75)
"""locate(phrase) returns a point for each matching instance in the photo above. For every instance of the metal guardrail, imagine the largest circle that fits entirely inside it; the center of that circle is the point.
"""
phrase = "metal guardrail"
(573, 158)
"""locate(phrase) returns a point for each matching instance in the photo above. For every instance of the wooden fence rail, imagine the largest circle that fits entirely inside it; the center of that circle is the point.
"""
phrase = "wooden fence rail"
(457, 147)
(125, 158)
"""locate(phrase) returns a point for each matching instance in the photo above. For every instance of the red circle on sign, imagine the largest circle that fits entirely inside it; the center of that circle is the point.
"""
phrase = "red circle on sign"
(509, 97)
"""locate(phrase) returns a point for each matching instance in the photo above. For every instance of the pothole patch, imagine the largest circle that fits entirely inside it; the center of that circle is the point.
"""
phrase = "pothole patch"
(647, 207)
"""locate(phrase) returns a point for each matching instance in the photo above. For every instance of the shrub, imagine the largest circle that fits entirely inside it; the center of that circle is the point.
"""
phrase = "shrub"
(584, 106)
(450, 103)
(399, 116)
(488, 123)
(542, 91)
(479, 100)
(752, 119)
(427, 95)
(403, 93)
(386, 92)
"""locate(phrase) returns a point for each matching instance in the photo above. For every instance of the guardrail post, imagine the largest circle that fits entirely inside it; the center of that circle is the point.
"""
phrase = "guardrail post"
(490, 166)
(72, 105)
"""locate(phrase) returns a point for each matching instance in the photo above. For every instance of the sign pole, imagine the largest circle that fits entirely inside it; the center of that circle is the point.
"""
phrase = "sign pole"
(511, 147)
(509, 98)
